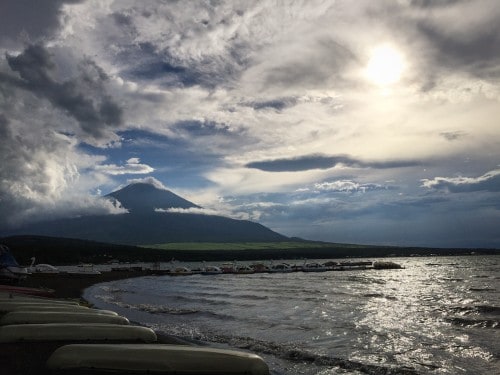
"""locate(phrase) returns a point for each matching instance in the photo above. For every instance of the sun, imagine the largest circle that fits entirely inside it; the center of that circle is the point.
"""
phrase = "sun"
(385, 66)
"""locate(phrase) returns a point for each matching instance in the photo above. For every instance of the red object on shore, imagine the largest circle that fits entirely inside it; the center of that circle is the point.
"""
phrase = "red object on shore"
(27, 291)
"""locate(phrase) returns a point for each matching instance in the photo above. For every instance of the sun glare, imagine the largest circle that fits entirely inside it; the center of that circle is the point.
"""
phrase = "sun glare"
(385, 66)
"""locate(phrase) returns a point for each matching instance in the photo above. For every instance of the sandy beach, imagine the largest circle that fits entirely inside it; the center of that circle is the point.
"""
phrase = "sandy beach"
(72, 286)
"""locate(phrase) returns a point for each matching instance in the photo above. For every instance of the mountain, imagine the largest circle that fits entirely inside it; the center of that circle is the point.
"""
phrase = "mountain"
(144, 225)
(143, 197)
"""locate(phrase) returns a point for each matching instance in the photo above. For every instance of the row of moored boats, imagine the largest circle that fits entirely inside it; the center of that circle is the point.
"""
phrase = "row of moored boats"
(235, 268)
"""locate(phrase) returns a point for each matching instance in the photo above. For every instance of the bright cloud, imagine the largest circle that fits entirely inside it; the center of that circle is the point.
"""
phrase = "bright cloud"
(132, 166)
(489, 181)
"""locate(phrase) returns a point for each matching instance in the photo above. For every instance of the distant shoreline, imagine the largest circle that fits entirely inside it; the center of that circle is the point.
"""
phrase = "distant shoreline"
(64, 251)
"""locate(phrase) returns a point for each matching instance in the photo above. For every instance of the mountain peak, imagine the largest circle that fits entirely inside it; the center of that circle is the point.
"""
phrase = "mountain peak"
(141, 197)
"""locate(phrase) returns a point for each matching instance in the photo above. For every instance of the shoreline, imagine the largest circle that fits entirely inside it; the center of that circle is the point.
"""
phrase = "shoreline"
(72, 286)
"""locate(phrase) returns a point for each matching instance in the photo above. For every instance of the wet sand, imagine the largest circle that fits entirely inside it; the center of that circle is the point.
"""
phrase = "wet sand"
(72, 286)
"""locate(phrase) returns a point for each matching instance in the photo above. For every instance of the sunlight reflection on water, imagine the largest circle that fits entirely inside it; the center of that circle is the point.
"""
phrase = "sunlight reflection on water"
(436, 319)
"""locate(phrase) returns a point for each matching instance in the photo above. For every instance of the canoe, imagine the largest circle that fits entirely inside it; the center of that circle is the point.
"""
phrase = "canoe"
(19, 298)
(13, 305)
(6, 297)
(74, 332)
(16, 296)
(69, 308)
(27, 291)
(155, 358)
(34, 317)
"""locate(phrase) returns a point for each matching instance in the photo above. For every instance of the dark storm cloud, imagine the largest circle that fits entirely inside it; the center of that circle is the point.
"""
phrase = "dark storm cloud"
(278, 104)
(452, 136)
(144, 62)
(307, 162)
(37, 19)
(478, 53)
(84, 98)
(489, 181)
(434, 3)
(195, 128)
(122, 19)
(315, 67)
(4, 127)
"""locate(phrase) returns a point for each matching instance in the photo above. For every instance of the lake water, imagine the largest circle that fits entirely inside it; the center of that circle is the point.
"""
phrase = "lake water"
(436, 316)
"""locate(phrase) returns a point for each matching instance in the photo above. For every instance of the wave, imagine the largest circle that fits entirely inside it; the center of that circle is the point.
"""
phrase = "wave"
(474, 323)
(484, 289)
(453, 279)
(488, 309)
(197, 300)
(114, 290)
(378, 295)
(296, 354)
(154, 309)
(478, 309)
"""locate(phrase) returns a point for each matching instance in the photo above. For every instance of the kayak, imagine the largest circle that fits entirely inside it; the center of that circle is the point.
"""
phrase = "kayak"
(74, 332)
(155, 358)
(28, 291)
(13, 305)
(61, 308)
(33, 317)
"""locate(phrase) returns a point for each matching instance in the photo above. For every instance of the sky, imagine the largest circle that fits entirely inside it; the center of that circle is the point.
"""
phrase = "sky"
(370, 122)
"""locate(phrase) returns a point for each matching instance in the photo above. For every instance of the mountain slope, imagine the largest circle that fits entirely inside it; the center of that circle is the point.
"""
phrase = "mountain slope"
(143, 197)
(145, 226)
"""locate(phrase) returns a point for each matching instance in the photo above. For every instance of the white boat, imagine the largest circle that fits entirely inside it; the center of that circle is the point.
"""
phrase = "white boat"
(156, 358)
(44, 269)
(228, 267)
(260, 267)
(181, 271)
(64, 308)
(280, 268)
(84, 270)
(74, 332)
(211, 270)
(314, 267)
(35, 317)
(10, 270)
(243, 269)
(11, 305)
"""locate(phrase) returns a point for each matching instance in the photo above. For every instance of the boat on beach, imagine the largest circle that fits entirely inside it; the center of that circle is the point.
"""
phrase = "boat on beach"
(7, 305)
(155, 359)
(12, 290)
(34, 317)
(74, 332)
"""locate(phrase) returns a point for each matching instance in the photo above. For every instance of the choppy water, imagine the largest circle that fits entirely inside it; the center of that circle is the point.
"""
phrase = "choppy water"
(436, 316)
